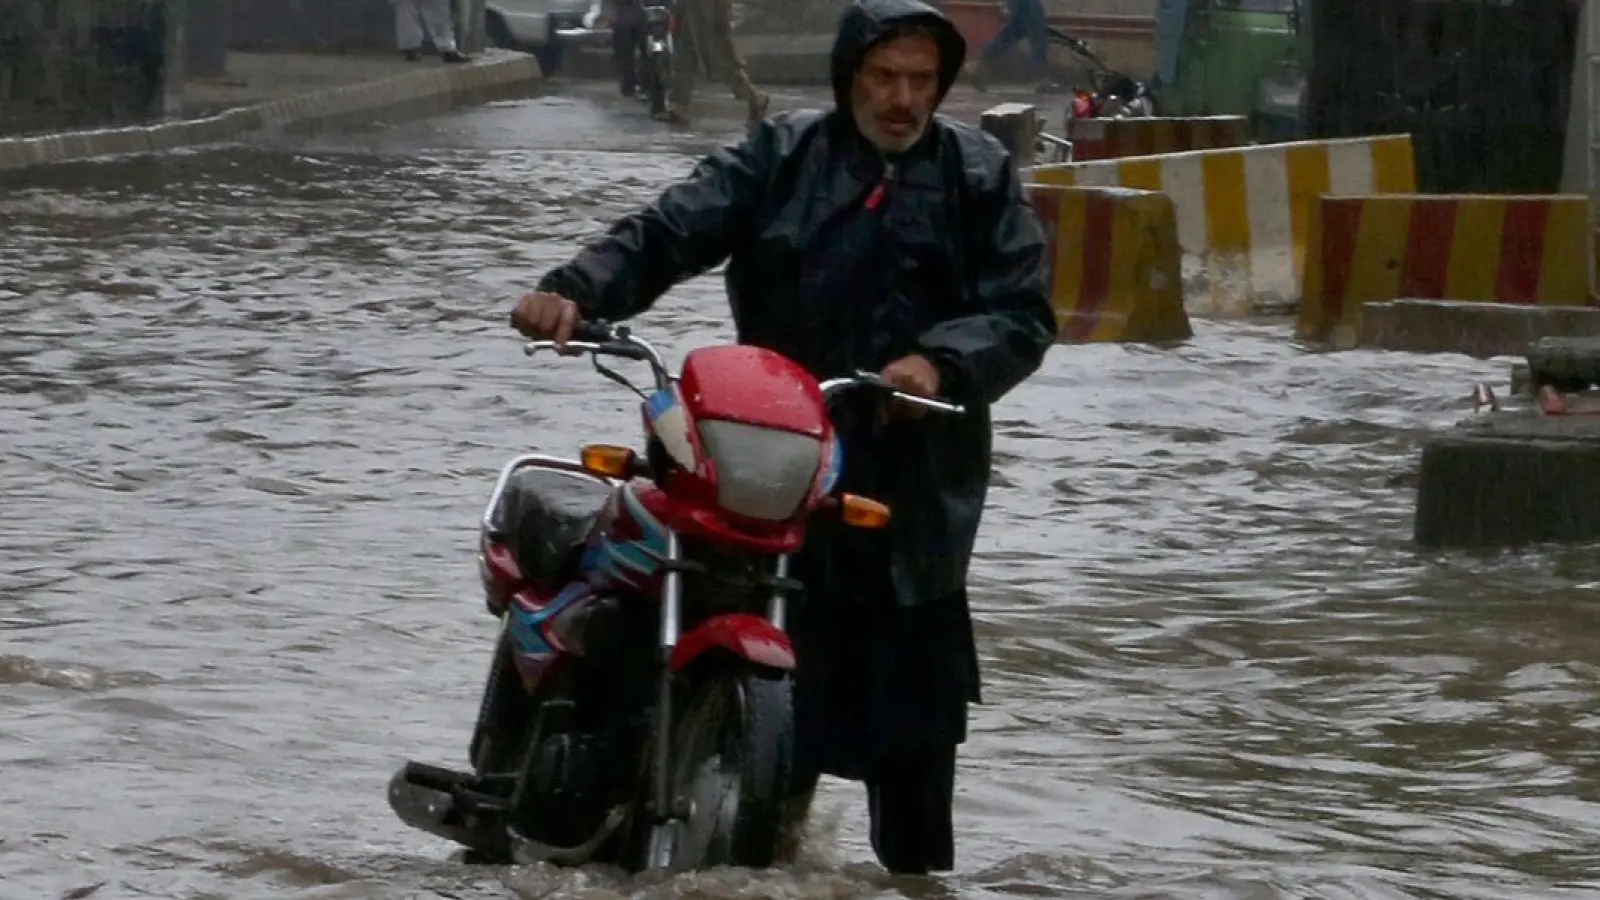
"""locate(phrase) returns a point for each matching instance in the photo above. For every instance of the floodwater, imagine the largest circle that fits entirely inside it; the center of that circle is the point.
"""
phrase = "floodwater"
(251, 400)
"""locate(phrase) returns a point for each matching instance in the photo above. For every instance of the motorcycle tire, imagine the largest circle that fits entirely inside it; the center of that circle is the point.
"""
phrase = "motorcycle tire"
(732, 753)
(657, 82)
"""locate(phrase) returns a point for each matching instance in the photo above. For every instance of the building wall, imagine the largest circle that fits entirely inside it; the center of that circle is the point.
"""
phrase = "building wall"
(79, 63)
(276, 25)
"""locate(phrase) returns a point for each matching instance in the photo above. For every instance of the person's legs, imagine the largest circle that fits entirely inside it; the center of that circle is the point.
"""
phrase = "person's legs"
(687, 49)
(1024, 18)
(408, 28)
(1039, 44)
(910, 800)
(734, 72)
(625, 40)
(441, 27)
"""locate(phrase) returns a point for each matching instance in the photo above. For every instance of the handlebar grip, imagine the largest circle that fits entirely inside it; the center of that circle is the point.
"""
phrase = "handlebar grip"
(592, 332)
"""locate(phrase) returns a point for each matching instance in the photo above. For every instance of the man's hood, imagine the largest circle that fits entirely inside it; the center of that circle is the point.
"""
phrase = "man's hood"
(866, 22)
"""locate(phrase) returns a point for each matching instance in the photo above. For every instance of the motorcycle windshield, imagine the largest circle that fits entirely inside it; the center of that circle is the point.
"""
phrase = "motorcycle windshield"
(762, 473)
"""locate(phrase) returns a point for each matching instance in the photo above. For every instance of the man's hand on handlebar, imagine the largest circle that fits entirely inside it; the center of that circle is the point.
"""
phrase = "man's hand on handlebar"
(915, 375)
(545, 316)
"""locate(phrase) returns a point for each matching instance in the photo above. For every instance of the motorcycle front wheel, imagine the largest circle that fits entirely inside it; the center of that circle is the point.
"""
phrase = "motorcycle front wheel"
(730, 774)
(657, 75)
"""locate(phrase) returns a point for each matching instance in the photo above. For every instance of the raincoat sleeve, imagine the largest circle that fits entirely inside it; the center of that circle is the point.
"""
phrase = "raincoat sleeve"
(687, 231)
(984, 355)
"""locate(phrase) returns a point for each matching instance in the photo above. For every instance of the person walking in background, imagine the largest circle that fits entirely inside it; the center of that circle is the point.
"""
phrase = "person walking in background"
(628, 42)
(1025, 20)
(412, 17)
(705, 31)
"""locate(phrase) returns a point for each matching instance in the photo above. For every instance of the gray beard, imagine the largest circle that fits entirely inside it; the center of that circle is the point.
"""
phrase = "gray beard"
(887, 143)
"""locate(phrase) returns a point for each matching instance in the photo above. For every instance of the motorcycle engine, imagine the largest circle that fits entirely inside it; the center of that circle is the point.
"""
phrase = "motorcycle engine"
(565, 792)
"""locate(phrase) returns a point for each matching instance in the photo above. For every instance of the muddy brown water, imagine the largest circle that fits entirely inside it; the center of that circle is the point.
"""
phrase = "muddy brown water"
(251, 400)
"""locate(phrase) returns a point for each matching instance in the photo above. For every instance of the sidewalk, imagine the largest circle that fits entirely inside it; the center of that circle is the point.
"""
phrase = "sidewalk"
(270, 91)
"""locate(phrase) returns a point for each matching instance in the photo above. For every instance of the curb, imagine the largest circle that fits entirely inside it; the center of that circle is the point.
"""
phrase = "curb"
(412, 94)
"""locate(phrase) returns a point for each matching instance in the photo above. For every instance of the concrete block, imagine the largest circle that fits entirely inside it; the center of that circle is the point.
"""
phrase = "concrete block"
(1115, 138)
(1495, 248)
(1567, 364)
(1509, 479)
(1016, 126)
(1115, 265)
(1482, 330)
(1243, 212)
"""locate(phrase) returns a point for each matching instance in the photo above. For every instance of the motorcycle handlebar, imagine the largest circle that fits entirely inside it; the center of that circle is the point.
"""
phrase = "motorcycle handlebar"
(602, 339)
(834, 386)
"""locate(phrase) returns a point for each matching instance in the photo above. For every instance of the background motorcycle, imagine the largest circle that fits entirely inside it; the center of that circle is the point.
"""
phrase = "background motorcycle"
(657, 54)
(637, 708)
(1114, 95)
(642, 34)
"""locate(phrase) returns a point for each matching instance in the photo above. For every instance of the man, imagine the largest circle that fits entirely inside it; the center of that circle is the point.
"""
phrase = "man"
(874, 236)
(411, 17)
(627, 42)
(1025, 20)
(705, 32)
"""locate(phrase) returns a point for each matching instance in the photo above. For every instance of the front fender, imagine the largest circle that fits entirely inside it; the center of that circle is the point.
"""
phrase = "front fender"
(745, 636)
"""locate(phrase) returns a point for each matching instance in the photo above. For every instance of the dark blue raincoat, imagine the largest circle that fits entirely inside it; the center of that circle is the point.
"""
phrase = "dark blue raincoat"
(950, 262)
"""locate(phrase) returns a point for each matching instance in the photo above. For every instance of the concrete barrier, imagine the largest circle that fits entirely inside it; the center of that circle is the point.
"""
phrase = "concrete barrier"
(1244, 213)
(1503, 248)
(495, 74)
(1482, 330)
(1508, 479)
(1115, 264)
(1115, 138)
(1015, 126)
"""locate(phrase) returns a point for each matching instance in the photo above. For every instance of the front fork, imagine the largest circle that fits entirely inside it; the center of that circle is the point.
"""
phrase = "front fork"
(666, 816)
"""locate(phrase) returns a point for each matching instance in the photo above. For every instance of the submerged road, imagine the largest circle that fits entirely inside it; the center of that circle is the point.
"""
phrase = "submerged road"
(251, 401)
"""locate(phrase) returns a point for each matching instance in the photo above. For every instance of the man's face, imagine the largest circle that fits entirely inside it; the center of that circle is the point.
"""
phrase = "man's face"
(895, 92)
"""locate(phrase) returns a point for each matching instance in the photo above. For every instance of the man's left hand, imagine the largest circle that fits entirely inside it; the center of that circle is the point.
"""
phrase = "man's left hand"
(913, 375)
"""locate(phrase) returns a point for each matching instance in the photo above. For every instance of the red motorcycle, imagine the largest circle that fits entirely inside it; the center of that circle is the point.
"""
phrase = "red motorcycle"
(637, 709)
(1115, 95)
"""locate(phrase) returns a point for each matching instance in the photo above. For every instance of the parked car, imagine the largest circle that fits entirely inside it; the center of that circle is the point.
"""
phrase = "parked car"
(532, 25)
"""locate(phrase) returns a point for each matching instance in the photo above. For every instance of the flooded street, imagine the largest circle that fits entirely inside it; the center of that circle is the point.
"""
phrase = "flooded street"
(252, 400)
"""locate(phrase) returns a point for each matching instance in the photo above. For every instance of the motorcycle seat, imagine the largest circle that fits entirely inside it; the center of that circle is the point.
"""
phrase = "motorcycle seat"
(543, 517)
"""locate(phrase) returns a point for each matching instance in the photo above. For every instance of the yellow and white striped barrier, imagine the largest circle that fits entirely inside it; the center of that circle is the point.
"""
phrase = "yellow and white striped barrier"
(1114, 264)
(1244, 213)
(1498, 248)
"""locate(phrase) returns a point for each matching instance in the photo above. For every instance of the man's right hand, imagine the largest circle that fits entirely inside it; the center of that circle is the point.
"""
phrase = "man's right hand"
(544, 316)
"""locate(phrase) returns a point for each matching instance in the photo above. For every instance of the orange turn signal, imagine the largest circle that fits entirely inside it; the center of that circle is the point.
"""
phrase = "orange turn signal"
(862, 513)
(608, 460)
